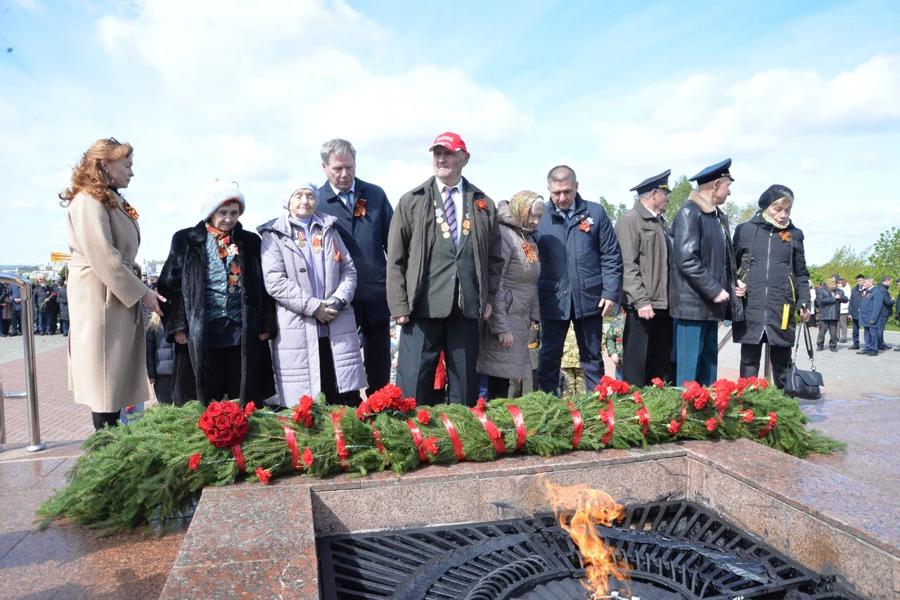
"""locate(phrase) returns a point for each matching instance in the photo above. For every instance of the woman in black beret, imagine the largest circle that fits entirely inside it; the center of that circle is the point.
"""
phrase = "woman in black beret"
(771, 262)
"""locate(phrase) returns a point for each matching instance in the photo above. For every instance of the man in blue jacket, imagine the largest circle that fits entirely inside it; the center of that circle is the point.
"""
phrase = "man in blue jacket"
(581, 274)
(363, 220)
(869, 312)
(885, 303)
(855, 304)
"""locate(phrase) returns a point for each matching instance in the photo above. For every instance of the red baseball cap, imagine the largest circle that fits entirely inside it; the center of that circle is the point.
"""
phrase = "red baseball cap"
(449, 140)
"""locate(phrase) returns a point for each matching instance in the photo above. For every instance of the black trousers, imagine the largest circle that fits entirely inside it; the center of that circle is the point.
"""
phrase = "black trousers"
(223, 376)
(162, 387)
(648, 348)
(376, 346)
(328, 378)
(497, 387)
(110, 419)
(421, 342)
(752, 353)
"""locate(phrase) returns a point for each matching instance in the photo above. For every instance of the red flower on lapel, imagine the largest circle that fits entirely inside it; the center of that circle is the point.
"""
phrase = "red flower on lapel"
(585, 226)
(130, 211)
(481, 204)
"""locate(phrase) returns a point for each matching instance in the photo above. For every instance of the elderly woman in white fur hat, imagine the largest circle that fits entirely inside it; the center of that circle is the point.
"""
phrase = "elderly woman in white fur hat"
(309, 272)
(218, 311)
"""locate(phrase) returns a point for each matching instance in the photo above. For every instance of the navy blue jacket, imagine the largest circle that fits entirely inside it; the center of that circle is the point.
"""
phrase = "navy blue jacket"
(577, 267)
(880, 308)
(366, 239)
(855, 302)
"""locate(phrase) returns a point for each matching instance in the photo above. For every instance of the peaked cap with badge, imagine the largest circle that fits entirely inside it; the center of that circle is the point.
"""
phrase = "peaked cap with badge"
(660, 181)
(713, 172)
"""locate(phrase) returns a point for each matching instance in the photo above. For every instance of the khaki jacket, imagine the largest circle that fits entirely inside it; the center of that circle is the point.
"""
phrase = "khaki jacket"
(107, 350)
(644, 242)
(412, 235)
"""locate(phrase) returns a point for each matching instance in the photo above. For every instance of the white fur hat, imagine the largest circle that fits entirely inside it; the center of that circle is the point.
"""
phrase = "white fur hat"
(221, 192)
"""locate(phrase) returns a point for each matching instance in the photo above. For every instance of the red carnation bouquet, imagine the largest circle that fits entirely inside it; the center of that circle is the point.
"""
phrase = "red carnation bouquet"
(224, 424)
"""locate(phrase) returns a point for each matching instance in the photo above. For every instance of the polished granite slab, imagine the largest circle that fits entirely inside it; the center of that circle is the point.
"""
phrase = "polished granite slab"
(250, 540)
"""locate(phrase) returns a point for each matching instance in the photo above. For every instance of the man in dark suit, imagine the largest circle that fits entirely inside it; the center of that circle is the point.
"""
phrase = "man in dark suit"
(444, 267)
(581, 271)
(855, 305)
(363, 220)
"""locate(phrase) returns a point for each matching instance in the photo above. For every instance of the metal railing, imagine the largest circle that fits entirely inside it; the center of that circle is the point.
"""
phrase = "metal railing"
(31, 393)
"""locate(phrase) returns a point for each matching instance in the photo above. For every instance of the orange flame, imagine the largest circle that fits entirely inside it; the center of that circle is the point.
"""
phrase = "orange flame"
(580, 509)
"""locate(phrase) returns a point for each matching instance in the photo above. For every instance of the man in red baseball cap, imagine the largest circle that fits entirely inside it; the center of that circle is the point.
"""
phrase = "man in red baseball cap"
(444, 266)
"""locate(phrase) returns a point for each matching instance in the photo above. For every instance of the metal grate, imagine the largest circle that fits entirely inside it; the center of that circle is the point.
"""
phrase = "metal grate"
(676, 550)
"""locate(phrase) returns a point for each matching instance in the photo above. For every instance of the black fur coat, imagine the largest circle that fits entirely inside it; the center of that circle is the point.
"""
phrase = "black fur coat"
(183, 283)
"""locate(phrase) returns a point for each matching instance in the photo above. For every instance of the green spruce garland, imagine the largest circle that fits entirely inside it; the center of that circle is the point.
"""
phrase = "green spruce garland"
(155, 468)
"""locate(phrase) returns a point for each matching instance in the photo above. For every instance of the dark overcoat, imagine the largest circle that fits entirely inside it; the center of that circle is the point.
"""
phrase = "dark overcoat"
(580, 261)
(773, 266)
(183, 283)
(829, 303)
(366, 237)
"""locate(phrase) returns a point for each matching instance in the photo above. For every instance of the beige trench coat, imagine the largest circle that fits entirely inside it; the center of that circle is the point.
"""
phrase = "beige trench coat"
(107, 351)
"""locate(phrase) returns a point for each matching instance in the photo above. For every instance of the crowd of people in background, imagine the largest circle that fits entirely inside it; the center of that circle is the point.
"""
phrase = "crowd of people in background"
(448, 294)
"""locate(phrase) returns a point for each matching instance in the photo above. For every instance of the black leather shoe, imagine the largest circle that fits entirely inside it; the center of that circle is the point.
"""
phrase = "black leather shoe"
(820, 348)
(833, 349)
(854, 347)
(868, 353)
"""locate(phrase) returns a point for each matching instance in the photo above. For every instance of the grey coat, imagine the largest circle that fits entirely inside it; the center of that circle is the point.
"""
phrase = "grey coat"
(515, 306)
(295, 351)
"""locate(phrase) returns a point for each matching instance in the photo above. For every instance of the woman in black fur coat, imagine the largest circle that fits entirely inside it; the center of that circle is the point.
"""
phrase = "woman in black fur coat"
(218, 311)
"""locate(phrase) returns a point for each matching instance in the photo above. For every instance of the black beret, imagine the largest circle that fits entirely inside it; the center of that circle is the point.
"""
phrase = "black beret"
(774, 193)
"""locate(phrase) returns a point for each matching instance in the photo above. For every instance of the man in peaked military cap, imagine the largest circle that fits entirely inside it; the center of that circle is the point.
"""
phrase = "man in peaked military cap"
(646, 245)
(703, 284)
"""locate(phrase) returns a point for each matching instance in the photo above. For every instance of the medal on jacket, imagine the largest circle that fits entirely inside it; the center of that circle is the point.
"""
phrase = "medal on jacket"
(234, 277)
(466, 225)
(300, 240)
(316, 243)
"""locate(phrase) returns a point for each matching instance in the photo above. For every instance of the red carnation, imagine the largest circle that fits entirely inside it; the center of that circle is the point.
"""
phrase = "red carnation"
(480, 405)
(307, 457)
(303, 411)
(406, 405)
(378, 401)
(711, 424)
(194, 461)
(638, 399)
(643, 416)
(658, 382)
(250, 408)
(264, 475)
(747, 416)
(762, 384)
(430, 446)
(674, 427)
(423, 416)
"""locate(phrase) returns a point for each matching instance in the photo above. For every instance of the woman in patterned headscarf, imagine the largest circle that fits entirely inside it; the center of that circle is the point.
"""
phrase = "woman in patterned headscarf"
(503, 350)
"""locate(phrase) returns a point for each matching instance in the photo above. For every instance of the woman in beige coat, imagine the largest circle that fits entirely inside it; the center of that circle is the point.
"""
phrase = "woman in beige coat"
(107, 353)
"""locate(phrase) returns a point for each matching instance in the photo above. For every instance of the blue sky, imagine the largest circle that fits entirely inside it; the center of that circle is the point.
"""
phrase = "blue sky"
(806, 94)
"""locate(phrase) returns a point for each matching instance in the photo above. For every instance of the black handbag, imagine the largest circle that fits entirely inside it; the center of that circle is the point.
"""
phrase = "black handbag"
(800, 383)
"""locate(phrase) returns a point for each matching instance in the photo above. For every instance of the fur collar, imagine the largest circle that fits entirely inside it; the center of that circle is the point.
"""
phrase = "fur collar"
(705, 205)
